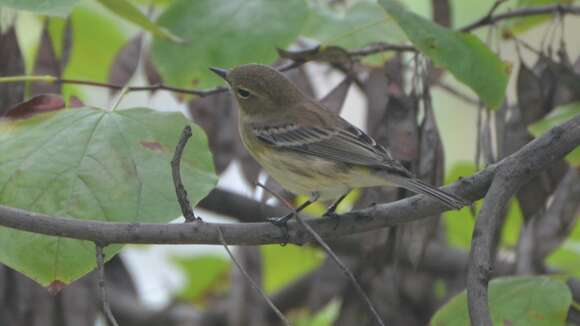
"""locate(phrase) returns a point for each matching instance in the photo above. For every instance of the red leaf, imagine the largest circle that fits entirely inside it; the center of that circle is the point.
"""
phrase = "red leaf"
(75, 102)
(37, 104)
(55, 287)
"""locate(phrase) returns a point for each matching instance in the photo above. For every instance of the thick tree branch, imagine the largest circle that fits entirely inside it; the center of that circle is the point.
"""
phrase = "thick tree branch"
(528, 161)
(511, 173)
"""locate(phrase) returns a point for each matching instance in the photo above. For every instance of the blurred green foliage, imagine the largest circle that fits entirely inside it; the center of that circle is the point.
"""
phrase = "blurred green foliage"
(517, 301)
(463, 54)
(205, 276)
(284, 264)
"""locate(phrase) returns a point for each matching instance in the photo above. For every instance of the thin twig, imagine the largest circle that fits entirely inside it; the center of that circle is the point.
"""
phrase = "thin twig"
(182, 197)
(102, 286)
(345, 270)
(119, 98)
(250, 280)
(332, 255)
(381, 47)
(523, 12)
(455, 92)
(187, 211)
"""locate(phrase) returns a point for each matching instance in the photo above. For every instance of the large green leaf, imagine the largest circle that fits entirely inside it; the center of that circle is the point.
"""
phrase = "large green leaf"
(362, 24)
(131, 13)
(49, 7)
(92, 164)
(558, 116)
(463, 54)
(97, 37)
(224, 33)
(527, 300)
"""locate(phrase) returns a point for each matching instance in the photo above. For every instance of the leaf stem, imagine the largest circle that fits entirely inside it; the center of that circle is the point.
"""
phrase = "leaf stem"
(122, 94)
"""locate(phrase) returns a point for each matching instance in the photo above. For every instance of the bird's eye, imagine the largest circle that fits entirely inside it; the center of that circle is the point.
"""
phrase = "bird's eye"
(243, 93)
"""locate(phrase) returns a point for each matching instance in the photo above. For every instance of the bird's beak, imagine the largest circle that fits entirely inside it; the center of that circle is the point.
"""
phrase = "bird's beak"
(223, 73)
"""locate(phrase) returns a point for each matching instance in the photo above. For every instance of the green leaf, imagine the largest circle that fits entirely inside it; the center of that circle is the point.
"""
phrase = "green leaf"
(283, 265)
(362, 24)
(523, 300)
(463, 54)
(558, 116)
(459, 224)
(324, 317)
(510, 231)
(205, 275)
(48, 7)
(97, 37)
(125, 9)
(92, 164)
(224, 33)
(566, 257)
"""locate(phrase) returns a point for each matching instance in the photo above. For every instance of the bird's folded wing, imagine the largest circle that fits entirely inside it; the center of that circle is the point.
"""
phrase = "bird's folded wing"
(344, 143)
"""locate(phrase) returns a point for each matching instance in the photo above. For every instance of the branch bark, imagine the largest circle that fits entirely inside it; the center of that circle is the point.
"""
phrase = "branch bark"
(511, 173)
(530, 160)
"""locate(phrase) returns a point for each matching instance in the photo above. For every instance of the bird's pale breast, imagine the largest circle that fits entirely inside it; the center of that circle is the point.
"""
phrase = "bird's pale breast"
(305, 174)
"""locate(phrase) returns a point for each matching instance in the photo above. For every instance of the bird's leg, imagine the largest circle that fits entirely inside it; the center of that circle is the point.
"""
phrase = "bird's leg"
(282, 221)
(331, 210)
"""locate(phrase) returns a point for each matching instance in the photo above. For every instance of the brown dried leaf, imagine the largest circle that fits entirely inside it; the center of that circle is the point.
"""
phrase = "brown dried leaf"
(67, 43)
(12, 65)
(151, 73)
(75, 102)
(216, 115)
(530, 94)
(46, 64)
(37, 104)
(334, 100)
(415, 236)
(329, 54)
(126, 62)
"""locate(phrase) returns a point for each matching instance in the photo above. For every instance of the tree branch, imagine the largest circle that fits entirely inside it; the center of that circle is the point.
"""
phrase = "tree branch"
(528, 161)
(511, 173)
(102, 286)
(523, 12)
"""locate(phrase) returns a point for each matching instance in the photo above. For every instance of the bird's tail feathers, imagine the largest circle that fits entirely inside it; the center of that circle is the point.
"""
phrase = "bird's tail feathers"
(420, 187)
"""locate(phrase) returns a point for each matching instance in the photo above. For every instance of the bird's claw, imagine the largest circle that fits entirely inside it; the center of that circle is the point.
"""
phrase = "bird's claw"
(282, 223)
(331, 214)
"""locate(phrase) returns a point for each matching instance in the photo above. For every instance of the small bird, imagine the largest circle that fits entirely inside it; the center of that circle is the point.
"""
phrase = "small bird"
(309, 149)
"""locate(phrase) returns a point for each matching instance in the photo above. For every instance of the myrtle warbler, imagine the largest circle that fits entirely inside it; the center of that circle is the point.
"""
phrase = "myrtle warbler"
(309, 149)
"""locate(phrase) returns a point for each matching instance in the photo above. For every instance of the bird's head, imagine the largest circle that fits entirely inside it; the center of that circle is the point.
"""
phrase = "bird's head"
(260, 89)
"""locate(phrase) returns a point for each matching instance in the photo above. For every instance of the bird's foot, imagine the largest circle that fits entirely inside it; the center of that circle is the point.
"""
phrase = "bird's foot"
(331, 214)
(282, 223)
